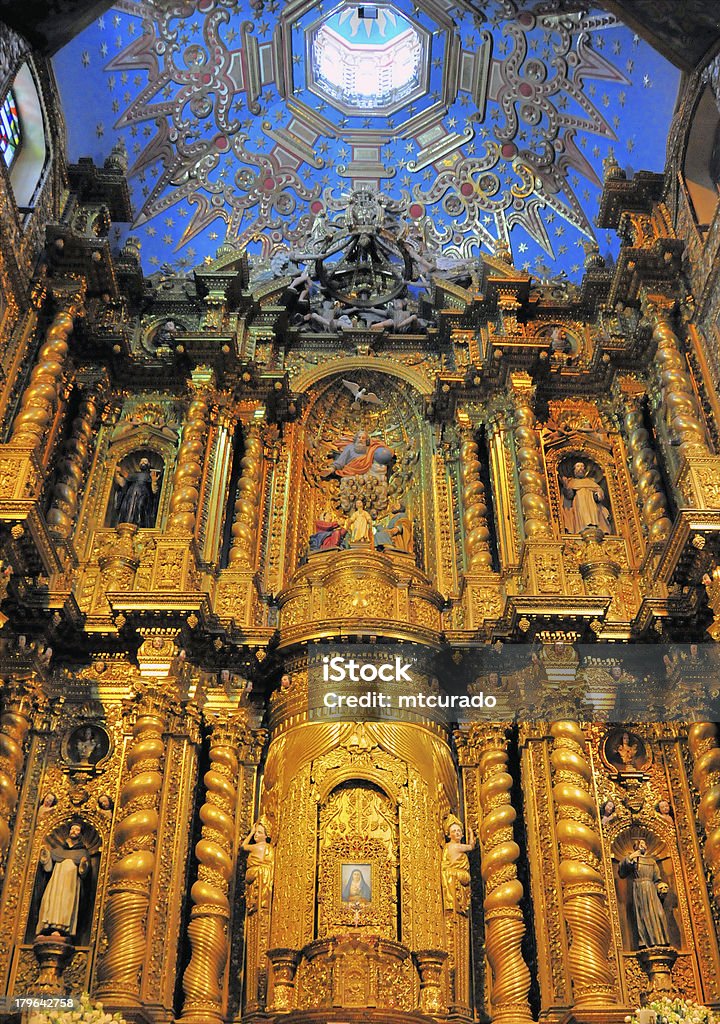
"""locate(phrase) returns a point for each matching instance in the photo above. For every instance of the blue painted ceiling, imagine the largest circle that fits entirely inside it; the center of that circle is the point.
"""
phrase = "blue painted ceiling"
(501, 140)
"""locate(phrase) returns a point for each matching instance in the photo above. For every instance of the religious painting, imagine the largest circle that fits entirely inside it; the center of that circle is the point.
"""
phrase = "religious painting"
(625, 751)
(86, 745)
(356, 882)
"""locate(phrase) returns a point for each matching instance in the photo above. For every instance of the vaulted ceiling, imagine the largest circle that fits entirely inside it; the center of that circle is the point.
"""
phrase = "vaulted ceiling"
(488, 119)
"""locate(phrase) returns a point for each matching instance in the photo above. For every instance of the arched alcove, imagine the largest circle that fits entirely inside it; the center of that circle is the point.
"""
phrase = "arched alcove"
(25, 170)
(701, 166)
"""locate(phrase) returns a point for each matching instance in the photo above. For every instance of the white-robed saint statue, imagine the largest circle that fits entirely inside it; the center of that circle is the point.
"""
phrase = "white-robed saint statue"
(583, 502)
(67, 864)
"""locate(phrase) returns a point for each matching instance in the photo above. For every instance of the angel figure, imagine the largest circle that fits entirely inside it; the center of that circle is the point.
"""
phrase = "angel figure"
(260, 867)
(456, 867)
(359, 524)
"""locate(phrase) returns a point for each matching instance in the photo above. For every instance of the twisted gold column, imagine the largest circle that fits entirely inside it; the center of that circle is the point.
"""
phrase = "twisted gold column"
(208, 928)
(71, 468)
(247, 502)
(475, 511)
(504, 925)
(188, 469)
(683, 415)
(644, 468)
(704, 746)
(531, 472)
(15, 722)
(584, 898)
(128, 893)
(40, 398)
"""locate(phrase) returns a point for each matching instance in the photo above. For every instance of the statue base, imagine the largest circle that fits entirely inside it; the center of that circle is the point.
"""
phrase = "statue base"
(657, 962)
(53, 954)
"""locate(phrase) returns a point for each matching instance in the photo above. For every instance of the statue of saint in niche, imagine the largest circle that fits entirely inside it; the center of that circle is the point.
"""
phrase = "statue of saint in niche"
(584, 501)
(137, 490)
(647, 890)
(65, 884)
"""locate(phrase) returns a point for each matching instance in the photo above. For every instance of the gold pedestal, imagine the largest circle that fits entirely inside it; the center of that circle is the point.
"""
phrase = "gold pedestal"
(54, 953)
(430, 964)
(657, 963)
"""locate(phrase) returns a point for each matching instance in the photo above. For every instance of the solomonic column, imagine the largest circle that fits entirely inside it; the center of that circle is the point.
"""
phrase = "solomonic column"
(247, 502)
(475, 510)
(585, 904)
(18, 706)
(41, 396)
(645, 471)
(531, 469)
(135, 833)
(188, 468)
(210, 915)
(504, 924)
(71, 467)
(704, 746)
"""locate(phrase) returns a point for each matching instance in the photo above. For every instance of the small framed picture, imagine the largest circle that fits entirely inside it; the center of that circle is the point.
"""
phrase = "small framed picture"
(356, 883)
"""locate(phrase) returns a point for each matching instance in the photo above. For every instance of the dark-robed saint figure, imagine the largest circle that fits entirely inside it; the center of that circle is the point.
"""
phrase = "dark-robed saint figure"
(136, 499)
(647, 888)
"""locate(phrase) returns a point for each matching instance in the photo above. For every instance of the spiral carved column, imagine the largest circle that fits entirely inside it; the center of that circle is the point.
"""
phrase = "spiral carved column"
(128, 893)
(644, 468)
(15, 722)
(71, 468)
(704, 744)
(681, 409)
(504, 925)
(188, 469)
(475, 510)
(40, 398)
(208, 928)
(247, 502)
(531, 471)
(583, 889)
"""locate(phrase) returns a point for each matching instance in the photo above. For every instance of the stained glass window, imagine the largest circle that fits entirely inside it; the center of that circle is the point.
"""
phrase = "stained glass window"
(10, 135)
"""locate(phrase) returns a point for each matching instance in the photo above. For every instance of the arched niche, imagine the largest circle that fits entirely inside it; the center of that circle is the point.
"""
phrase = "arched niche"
(136, 490)
(660, 851)
(332, 423)
(701, 164)
(358, 859)
(138, 441)
(25, 171)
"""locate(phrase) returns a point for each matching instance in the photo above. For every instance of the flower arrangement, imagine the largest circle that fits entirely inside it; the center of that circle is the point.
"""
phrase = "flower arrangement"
(678, 1011)
(85, 1013)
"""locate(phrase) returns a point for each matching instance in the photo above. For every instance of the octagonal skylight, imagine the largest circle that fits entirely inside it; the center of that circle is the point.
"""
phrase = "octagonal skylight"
(367, 58)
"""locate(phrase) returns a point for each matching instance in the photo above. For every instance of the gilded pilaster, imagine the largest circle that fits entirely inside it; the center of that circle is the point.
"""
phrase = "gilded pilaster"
(71, 468)
(644, 468)
(18, 705)
(504, 925)
(531, 470)
(247, 501)
(475, 510)
(208, 928)
(40, 397)
(585, 905)
(188, 468)
(135, 835)
(704, 744)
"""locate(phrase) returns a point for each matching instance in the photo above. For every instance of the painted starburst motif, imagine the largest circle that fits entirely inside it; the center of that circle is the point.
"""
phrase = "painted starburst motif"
(516, 105)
